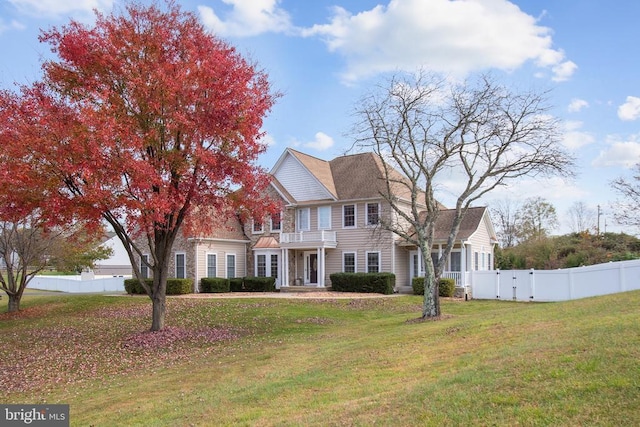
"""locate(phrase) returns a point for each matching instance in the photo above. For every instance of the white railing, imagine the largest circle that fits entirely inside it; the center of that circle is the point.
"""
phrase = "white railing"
(557, 285)
(455, 275)
(309, 237)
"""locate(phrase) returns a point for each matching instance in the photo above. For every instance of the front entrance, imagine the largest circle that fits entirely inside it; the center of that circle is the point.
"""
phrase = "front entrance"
(311, 268)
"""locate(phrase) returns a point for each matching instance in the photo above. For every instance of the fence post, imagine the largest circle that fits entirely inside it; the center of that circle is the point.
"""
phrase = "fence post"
(515, 286)
(570, 283)
(498, 284)
(622, 277)
(532, 285)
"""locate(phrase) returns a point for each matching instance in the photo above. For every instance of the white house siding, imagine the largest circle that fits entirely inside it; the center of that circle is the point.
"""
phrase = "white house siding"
(480, 242)
(299, 182)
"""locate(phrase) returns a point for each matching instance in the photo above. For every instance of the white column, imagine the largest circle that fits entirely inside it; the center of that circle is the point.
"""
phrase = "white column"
(285, 268)
(320, 267)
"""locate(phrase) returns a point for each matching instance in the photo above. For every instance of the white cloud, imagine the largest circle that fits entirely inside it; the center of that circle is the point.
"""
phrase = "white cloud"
(577, 105)
(57, 8)
(620, 153)
(247, 18)
(13, 25)
(574, 138)
(630, 110)
(454, 37)
(268, 140)
(322, 142)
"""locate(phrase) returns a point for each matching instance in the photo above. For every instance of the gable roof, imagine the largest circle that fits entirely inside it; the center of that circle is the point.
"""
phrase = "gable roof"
(470, 223)
(349, 177)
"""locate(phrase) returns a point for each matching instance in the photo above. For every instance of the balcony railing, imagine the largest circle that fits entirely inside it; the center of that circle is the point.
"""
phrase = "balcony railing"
(327, 238)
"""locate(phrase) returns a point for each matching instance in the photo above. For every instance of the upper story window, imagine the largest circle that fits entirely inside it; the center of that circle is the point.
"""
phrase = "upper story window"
(373, 214)
(349, 216)
(276, 222)
(303, 223)
(257, 227)
(324, 218)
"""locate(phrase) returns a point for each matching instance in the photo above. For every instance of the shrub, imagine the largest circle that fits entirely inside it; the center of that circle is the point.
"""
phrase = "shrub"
(382, 283)
(214, 285)
(174, 286)
(446, 287)
(252, 284)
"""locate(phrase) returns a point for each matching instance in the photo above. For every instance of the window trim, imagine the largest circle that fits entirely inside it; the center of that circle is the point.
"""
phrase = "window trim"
(215, 264)
(226, 264)
(254, 230)
(366, 214)
(355, 216)
(308, 215)
(184, 264)
(367, 261)
(271, 223)
(144, 268)
(327, 207)
(355, 261)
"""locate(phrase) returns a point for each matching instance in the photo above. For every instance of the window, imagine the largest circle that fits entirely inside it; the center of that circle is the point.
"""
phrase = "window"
(435, 257)
(324, 218)
(373, 214)
(274, 265)
(349, 262)
(180, 266)
(489, 265)
(276, 222)
(211, 265)
(455, 261)
(483, 260)
(231, 266)
(261, 265)
(303, 219)
(373, 262)
(257, 227)
(475, 259)
(349, 216)
(144, 269)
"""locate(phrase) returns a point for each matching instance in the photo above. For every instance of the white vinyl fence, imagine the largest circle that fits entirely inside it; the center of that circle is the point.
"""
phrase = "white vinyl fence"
(75, 284)
(557, 285)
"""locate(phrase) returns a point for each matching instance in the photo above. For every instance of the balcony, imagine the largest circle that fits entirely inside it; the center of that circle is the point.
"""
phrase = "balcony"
(309, 239)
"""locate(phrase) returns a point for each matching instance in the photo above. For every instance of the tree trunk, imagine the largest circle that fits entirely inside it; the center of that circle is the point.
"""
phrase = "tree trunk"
(431, 304)
(159, 310)
(14, 303)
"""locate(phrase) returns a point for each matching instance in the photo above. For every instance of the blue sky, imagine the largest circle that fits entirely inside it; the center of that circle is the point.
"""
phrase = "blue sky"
(323, 55)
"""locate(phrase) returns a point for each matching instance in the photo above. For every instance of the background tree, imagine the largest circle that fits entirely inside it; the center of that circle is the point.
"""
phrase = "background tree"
(581, 217)
(626, 208)
(506, 217)
(537, 219)
(480, 131)
(75, 255)
(142, 120)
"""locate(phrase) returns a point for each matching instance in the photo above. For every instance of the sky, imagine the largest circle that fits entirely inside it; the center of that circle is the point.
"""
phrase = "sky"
(325, 55)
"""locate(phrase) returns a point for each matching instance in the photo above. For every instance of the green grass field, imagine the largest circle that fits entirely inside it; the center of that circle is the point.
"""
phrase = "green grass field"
(326, 362)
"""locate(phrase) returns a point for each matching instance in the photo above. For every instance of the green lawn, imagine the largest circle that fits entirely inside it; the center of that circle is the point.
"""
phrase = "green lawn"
(326, 362)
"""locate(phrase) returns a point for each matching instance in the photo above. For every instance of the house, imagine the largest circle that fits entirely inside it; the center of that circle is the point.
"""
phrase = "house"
(329, 223)
(118, 264)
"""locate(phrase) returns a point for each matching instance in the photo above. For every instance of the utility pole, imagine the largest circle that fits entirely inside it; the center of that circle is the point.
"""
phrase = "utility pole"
(598, 227)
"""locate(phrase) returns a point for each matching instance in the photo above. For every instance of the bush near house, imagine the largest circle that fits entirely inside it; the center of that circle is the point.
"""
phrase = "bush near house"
(252, 284)
(381, 283)
(174, 286)
(214, 285)
(446, 287)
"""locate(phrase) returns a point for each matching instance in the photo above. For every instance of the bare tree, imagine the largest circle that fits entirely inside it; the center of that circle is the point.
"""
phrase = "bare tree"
(480, 131)
(581, 217)
(505, 215)
(24, 246)
(626, 209)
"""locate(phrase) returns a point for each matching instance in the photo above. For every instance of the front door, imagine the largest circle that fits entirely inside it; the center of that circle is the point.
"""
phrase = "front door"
(312, 268)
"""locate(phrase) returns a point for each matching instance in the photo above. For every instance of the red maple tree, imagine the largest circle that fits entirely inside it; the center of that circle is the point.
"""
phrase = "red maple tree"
(146, 121)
